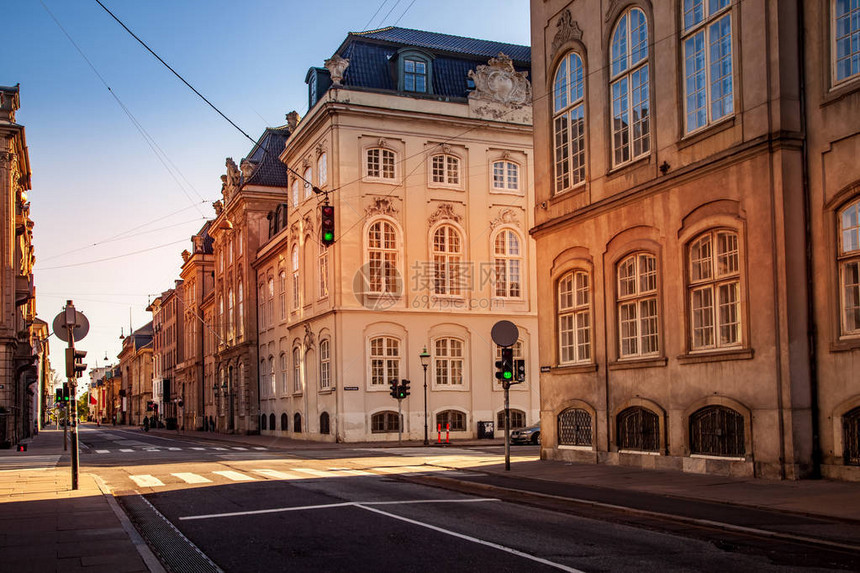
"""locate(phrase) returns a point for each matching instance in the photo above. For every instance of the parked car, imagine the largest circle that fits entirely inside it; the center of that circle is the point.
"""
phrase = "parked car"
(528, 435)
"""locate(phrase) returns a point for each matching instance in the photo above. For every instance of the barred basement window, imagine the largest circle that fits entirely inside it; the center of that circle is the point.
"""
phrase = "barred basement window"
(851, 436)
(456, 419)
(638, 429)
(574, 427)
(325, 425)
(717, 431)
(518, 420)
(384, 422)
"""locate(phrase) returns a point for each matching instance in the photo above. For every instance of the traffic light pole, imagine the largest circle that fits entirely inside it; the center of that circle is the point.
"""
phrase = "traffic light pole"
(72, 413)
(399, 422)
(507, 386)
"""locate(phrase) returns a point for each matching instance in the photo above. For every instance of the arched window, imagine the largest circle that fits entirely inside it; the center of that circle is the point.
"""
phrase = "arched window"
(574, 318)
(271, 378)
(851, 436)
(448, 361)
(262, 421)
(241, 320)
(270, 302)
(637, 306)
(638, 429)
(294, 192)
(322, 169)
(574, 427)
(283, 365)
(445, 170)
(707, 44)
(518, 419)
(568, 107)
(846, 46)
(506, 176)
(447, 253)
(323, 271)
(282, 294)
(325, 426)
(264, 384)
(285, 422)
(297, 369)
(715, 291)
(272, 421)
(297, 423)
(384, 422)
(629, 91)
(382, 258)
(309, 181)
(507, 263)
(296, 285)
(849, 268)
(384, 360)
(325, 364)
(380, 164)
(230, 330)
(454, 418)
(717, 431)
(221, 319)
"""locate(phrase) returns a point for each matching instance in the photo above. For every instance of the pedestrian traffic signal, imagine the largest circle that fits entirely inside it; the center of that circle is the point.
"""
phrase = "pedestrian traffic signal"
(404, 389)
(393, 384)
(74, 363)
(505, 366)
(60, 398)
(327, 225)
(66, 393)
(520, 370)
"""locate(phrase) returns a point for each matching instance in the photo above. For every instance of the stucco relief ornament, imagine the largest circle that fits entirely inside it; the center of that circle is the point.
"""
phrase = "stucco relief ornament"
(218, 205)
(500, 82)
(233, 178)
(185, 256)
(336, 66)
(310, 339)
(381, 206)
(308, 224)
(506, 217)
(247, 167)
(199, 243)
(294, 232)
(444, 212)
(568, 30)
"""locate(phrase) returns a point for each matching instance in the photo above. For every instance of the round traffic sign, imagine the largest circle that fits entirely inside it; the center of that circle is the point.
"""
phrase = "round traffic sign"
(82, 326)
(505, 333)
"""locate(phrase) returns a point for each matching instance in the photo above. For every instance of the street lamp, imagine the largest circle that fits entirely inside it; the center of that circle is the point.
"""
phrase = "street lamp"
(425, 361)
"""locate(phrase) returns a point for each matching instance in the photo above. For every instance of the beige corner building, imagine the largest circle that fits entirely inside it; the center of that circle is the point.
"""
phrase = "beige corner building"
(697, 193)
(422, 144)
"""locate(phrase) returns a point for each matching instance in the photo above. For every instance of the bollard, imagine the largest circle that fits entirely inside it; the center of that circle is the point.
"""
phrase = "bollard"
(439, 433)
(447, 433)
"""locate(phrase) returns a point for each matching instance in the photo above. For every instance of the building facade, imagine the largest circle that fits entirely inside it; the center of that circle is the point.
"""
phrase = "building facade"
(422, 144)
(133, 388)
(167, 352)
(19, 378)
(697, 235)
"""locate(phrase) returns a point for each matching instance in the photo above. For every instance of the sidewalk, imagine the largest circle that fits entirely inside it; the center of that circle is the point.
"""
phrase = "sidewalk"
(46, 526)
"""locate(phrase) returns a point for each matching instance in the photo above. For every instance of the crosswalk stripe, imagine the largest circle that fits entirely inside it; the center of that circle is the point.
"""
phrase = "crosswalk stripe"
(220, 449)
(357, 473)
(175, 449)
(240, 448)
(126, 450)
(275, 474)
(198, 449)
(191, 478)
(102, 451)
(235, 476)
(259, 448)
(146, 480)
(313, 472)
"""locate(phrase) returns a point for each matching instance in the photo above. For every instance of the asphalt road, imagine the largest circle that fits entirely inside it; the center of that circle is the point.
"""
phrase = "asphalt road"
(256, 509)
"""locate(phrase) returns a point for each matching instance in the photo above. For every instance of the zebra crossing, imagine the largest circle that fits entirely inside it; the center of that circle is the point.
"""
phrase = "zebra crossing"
(157, 449)
(293, 473)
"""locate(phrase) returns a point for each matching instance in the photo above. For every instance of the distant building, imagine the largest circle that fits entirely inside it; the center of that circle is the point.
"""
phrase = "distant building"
(132, 385)
(19, 346)
(697, 198)
(422, 143)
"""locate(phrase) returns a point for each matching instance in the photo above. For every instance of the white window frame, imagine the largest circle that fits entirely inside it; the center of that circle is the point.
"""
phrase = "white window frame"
(297, 370)
(382, 257)
(638, 306)
(447, 249)
(848, 261)
(385, 360)
(322, 268)
(449, 362)
(704, 26)
(270, 302)
(294, 192)
(282, 293)
(283, 364)
(445, 171)
(322, 169)
(415, 74)
(507, 265)
(568, 124)
(714, 291)
(325, 364)
(240, 323)
(834, 45)
(230, 301)
(380, 164)
(505, 176)
(625, 76)
(574, 318)
(309, 181)
(296, 283)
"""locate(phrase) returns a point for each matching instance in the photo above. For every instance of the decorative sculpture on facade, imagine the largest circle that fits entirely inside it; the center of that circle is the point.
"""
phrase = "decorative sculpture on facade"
(247, 167)
(444, 212)
(500, 82)
(336, 66)
(568, 30)
(218, 205)
(381, 206)
(293, 119)
(506, 217)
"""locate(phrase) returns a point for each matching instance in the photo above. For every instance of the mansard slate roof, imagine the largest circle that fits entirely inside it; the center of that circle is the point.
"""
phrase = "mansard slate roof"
(370, 55)
(269, 171)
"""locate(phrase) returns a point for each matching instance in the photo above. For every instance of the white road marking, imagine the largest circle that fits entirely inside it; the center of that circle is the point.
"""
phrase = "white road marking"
(126, 450)
(314, 472)
(199, 449)
(361, 504)
(259, 448)
(235, 476)
(175, 449)
(240, 448)
(357, 473)
(146, 480)
(404, 469)
(275, 474)
(220, 449)
(102, 451)
(191, 478)
(472, 539)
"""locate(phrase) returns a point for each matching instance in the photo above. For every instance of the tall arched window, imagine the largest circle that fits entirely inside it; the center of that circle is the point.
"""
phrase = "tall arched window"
(630, 103)
(637, 306)
(382, 258)
(384, 360)
(270, 302)
(294, 192)
(297, 423)
(380, 164)
(325, 424)
(262, 421)
(296, 284)
(851, 437)
(849, 268)
(230, 330)
(261, 303)
(447, 253)
(707, 44)
(322, 169)
(507, 261)
(448, 361)
(445, 170)
(283, 365)
(272, 421)
(325, 364)
(715, 297)
(569, 123)
(297, 369)
(574, 318)
(241, 320)
(282, 294)
(285, 422)
(271, 377)
(323, 271)
(221, 324)
(308, 183)
(264, 383)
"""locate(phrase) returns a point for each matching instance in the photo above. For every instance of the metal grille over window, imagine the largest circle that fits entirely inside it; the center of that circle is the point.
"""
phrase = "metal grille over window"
(717, 431)
(518, 419)
(574, 427)
(638, 429)
(569, 123)
(384, 422)
(851, 436)
(453, 417)
(629, 89)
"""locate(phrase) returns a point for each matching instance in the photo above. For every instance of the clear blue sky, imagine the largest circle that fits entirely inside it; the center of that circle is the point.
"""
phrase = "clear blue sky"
(99, 189)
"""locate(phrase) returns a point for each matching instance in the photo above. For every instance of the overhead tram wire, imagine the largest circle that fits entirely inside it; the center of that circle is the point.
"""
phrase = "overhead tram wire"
(83, 263)
(384, 2)
(150, 141)
(404, 13)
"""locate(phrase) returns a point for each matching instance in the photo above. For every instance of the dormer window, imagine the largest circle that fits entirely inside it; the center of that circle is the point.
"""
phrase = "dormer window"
(415, 71)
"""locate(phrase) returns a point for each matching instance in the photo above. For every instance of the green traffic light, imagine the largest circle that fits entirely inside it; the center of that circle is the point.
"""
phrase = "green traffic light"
(508, 375)
(328, 236)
